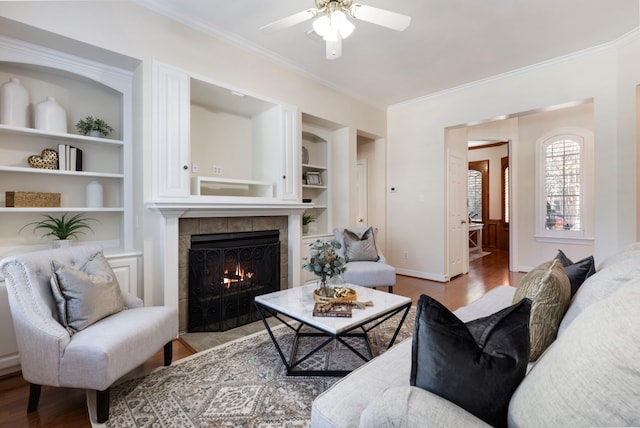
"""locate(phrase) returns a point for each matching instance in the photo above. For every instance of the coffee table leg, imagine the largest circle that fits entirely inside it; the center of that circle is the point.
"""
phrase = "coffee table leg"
(395, 335)
(273, 338)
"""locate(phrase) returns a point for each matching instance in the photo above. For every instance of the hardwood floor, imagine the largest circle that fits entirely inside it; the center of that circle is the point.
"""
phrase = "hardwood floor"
(64, 407)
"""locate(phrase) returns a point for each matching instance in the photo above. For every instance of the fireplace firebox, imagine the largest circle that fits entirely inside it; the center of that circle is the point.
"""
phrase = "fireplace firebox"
(226, 272)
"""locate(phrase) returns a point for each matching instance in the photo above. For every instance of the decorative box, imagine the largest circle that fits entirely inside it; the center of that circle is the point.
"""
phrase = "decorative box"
(32, 199)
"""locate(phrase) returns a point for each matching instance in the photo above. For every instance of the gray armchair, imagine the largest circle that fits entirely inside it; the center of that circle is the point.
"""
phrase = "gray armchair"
(93, 357)
(366, 265)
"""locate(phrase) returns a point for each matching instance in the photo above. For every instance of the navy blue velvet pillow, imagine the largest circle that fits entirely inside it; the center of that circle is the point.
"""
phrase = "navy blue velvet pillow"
(577, 272)
(477, 365)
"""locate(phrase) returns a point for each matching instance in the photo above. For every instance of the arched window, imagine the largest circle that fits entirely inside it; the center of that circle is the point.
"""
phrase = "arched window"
(564, 184)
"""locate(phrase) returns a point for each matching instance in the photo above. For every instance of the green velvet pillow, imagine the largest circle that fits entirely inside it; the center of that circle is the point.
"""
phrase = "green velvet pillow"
(85, 296)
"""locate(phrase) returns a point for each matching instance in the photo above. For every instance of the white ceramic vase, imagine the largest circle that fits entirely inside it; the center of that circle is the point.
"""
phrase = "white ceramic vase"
(50, 116)
(94, 195)
(14, 104)
(61, 243)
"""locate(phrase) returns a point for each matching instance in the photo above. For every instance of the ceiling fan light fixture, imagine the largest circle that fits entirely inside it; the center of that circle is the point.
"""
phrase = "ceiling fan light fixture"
(345, 27)
(322, 25)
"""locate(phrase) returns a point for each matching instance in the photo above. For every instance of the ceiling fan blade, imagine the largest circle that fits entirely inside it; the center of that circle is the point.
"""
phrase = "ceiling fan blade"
(291, 20)
(385, 18)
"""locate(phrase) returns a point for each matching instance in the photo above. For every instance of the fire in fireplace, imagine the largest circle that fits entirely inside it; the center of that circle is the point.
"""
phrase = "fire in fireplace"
(226, 272)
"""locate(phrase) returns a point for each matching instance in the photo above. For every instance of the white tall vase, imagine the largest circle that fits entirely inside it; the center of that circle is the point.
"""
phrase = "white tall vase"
(14, 104)
(50, 116)
(94, 195)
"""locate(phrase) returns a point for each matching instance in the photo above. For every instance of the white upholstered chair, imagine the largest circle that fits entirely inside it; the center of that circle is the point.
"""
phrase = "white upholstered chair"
(97, 355)
(364, 270)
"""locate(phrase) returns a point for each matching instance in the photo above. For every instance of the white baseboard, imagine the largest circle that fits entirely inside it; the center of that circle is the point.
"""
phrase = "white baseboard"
(9, 364)
(423, 275)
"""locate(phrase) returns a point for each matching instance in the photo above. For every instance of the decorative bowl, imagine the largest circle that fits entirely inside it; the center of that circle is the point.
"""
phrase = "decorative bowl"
(349, 295)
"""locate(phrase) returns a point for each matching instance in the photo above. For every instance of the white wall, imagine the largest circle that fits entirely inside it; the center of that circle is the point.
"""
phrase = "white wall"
(221, 139)
(416, 138)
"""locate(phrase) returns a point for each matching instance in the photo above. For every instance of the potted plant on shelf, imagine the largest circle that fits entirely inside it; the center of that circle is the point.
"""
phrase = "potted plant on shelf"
(307, 219)
(93, 127)
(325, 263)
(63, 228)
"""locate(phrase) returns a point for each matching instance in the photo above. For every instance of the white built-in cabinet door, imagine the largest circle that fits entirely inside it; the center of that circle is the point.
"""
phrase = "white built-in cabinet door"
(289, 188)
(9, 360)
(171, 148)
(127, 273)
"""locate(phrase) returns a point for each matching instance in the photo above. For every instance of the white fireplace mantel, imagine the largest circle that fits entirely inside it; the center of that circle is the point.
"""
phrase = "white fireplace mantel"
(173, 209)
(233, 206)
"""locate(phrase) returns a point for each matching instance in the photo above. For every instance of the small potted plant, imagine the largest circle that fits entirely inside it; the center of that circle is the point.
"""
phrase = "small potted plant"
(307, 219)
(93, 127)
(63, 228)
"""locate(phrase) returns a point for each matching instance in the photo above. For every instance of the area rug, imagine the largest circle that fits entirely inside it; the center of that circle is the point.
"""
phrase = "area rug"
(239, 384)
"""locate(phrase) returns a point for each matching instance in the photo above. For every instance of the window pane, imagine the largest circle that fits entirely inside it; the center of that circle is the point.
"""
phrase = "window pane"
(475, 194)
(562, 184)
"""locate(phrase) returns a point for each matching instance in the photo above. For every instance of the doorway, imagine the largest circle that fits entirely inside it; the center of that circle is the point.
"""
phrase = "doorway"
(489, 192)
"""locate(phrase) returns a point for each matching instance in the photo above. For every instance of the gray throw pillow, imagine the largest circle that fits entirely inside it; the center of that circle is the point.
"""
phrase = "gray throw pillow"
(85, 296)
(360, 245)
(549, 289)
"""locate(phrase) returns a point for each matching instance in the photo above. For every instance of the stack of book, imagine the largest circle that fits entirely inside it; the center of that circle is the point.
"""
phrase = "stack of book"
(69, 158)
(332, 309)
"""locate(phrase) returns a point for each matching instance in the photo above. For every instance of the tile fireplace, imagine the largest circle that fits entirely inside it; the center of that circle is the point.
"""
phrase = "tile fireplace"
(192, 232)
(226, 272)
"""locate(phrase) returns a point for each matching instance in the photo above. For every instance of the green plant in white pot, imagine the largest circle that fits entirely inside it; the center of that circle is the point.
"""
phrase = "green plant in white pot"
(63, 228)
(93, 127)
(307, 219)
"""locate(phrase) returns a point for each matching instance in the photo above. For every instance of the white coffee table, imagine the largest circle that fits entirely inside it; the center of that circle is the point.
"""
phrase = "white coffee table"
(297, 304)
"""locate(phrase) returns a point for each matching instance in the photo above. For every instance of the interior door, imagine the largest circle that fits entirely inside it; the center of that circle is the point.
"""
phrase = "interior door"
(457, 215)
(362, 186)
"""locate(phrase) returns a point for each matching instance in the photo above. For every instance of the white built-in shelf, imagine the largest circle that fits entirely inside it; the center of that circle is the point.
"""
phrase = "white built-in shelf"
(213, 186)
(313, 186)
(58, 210)
(310, 167)
(59, 172)
(56, 136)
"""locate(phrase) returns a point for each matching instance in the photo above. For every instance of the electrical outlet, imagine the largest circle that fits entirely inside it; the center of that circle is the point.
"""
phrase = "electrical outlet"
(405, 254)
(194, 167)
(217, 170)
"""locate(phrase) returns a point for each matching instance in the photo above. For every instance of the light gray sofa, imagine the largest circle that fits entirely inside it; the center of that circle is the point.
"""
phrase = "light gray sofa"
(589, 376)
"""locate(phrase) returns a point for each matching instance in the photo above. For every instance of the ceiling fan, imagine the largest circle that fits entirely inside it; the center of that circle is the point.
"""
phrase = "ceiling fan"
(333, 24)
